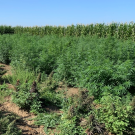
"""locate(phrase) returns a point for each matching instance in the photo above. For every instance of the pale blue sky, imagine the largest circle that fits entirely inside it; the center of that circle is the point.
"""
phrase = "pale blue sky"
(65, 12)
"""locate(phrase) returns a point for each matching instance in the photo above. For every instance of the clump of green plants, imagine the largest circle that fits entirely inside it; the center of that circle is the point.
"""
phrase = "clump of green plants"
(49, 120)
(102, 66)
(81, 103)
(27, 97)
(22, 75)
(92, 125)
(49, 82)
(70, 126)
(4, 91)
(8, 124)
(116, 114)
(48, 92)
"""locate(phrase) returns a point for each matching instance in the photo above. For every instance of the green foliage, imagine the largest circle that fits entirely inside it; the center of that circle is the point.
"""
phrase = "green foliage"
(62, 124)
(100, 65)
(4, 91)
(51, 97)
(115, 112)
(5, 48)
(69, 126)
(36, 53)
(22, 75)
(48, 93)
(26, 100)
(8, 124)
(48, 120)
(6, 29)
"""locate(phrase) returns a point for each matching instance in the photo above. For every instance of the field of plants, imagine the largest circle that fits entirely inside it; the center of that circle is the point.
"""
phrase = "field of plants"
(98, 60)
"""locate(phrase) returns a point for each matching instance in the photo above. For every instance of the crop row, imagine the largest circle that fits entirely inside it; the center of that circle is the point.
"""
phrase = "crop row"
(120, 30)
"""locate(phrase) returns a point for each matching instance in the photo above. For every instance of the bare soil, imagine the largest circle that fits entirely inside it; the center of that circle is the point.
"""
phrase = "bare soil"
(69, 91)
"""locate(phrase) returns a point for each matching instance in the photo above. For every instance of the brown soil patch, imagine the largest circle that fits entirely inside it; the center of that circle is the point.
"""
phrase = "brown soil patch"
(10, 86)
(69, 91)
(72, 91)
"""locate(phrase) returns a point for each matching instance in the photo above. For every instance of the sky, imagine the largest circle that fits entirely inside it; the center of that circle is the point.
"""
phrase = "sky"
(65, 12)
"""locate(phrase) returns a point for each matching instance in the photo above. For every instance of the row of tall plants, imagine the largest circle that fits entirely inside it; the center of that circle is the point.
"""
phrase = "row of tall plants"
(120, 30)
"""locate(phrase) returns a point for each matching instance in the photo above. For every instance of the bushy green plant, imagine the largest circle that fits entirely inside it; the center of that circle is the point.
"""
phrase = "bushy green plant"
(110, 78)
(35, 52)
(69, 126)
(74, 108)
(26, 100)
(4, 92)
(48, 120)
(22, 75)
(115, 112)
